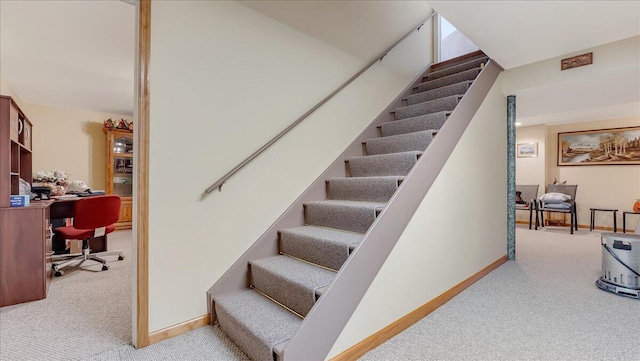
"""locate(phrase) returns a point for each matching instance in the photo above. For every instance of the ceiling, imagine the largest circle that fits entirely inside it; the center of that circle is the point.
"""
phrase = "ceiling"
(71, 54)
(515, 33)
(80, 54)
(521, 34)
(361, 28)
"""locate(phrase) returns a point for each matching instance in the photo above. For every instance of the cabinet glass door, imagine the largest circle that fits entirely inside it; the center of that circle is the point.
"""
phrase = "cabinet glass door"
(123, 176)
(123, 145)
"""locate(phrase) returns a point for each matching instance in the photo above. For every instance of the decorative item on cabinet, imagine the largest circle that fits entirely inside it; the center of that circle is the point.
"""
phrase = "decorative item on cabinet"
(119, 172)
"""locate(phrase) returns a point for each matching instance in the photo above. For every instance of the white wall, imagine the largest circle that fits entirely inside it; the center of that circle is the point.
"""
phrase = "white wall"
(224, 80)
(599, 186)
(70, 140)
(533, 170)
(459, 229)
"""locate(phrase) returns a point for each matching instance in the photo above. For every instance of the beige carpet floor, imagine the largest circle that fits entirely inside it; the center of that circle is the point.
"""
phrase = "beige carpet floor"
(543, 306)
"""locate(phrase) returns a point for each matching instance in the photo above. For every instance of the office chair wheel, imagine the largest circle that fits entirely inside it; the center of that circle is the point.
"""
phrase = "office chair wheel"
(120, 258)
(59, 273)
(105, 267)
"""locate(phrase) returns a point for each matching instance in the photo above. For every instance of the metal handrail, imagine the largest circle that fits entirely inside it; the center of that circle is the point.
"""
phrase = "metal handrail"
(218, 184)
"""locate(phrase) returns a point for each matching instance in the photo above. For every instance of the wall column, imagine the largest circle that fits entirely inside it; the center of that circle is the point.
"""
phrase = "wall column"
(511, 177)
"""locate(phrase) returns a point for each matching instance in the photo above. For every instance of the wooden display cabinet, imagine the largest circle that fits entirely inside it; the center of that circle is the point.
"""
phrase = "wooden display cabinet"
(25, 232)
(15, 149)
(119, 171)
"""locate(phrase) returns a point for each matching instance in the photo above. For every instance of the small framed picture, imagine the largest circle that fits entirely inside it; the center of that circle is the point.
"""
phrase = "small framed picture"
(527, 150)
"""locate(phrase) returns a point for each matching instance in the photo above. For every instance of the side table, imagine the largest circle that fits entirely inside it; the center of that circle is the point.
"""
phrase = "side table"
(592, 225)
(624, 219)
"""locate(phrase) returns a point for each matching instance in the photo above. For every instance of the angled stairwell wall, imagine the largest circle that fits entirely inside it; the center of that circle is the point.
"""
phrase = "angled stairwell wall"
(458, 229)
(224, 80)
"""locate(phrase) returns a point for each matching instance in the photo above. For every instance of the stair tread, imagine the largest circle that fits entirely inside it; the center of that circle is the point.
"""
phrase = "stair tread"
(452, 76)
(297, 272)
(399, 143)
(328, 247)
(456, 68)
(447, 103)
(325, 233)
(432, 122)
(260, 324)
(454, 96)
(374, 189)
(412, 152)
(355, 216)
(349, 203)
(289, 281)
(449, 79)
(458, 60)
(437, 93)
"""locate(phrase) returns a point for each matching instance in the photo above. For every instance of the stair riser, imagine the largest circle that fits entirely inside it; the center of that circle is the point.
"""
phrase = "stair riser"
(296, 297)
(321, 252)
(254, 323)
(453, 89)
(449, 80)
(409, 142)
(412, 125)
(382, 166)
(345, 218)
(249, 344)
(433, 106)
(370, 190)
(456, 61)
(456, 69)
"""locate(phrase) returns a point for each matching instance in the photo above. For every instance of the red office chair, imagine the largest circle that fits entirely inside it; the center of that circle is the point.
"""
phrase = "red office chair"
(92, 217)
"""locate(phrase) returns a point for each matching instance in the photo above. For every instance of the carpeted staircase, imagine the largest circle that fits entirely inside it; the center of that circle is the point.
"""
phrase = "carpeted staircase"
(284, 288)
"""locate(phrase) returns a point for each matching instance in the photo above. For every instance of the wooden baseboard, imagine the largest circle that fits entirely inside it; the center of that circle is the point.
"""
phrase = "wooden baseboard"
(583, 226)
(416, 315)
(178, 329)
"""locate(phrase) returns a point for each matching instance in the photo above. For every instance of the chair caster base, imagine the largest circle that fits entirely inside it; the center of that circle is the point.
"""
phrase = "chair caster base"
(105, 267)
(58, 273)
(120, 258)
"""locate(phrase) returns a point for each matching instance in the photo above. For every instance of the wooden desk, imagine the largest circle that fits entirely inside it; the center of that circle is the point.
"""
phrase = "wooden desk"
(25, 253)
(61, 210)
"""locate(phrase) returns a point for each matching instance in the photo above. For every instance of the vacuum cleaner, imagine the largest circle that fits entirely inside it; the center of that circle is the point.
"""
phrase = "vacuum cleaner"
(620, 264)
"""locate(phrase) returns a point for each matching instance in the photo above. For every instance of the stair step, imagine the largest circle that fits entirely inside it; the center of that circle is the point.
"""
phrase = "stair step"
(448, 80)
(445, 91)
(383, 164)
(368, 189)
(327, 247)
(428, 107)
(473, 63)
(458, 60)
(354, 216)
(254, 323)
(399, 143)
(410, 125)
(289, 281)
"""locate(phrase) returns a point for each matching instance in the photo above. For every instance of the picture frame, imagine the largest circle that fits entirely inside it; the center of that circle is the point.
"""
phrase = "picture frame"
(527, 150)
(615, 146)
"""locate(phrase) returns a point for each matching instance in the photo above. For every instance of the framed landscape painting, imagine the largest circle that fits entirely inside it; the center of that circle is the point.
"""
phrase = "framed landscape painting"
(527, 150)
(616, 146)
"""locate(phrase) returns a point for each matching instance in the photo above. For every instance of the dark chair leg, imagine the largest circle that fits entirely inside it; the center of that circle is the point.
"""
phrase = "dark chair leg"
(541, 219)
(571, 226)
(530, 215)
